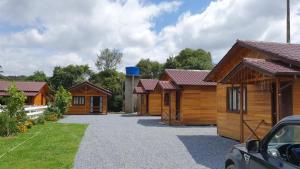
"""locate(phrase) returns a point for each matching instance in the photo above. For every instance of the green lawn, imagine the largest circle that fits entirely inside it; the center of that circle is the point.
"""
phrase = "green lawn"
(48, 146)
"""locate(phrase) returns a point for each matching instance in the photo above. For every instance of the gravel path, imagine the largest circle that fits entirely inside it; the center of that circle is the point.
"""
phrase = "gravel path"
(130, 142)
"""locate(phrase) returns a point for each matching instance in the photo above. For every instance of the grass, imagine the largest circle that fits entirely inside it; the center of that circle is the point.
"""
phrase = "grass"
(49, 146)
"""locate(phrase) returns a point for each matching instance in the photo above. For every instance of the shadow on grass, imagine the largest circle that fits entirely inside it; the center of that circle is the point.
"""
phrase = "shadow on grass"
(208, 150)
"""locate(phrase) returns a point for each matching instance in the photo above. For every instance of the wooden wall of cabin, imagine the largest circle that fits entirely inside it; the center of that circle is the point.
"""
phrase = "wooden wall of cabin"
(258, 109)
(154, 103)
(198, 105)
(296, 97)
(40, 98)
(87, 92)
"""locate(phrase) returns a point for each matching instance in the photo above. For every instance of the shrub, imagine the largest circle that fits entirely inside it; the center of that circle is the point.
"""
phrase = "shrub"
(51, 117)
(28, 124)
(40, 120)
(62, 101)
(8, 125)
(22, 128)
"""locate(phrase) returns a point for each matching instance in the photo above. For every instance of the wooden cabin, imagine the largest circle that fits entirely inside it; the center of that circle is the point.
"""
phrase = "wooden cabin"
(88, 98)
(149, 100)
(35, 92)
(257, 86)
(186, 98)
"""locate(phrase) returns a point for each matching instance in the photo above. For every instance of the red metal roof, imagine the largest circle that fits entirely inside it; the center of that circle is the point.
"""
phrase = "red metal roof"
(167, 85)
(286, 51)
(270, 67)
(149, 84)
(3, 93)
(189, 77)
(23, 86)
(138, 90)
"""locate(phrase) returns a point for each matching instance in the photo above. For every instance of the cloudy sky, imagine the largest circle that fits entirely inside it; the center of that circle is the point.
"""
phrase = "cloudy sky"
(38, 35)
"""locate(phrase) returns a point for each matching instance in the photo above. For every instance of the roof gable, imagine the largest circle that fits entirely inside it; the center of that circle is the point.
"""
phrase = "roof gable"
(148, 84)
(286, 53)
(93, 86)
(189, 77)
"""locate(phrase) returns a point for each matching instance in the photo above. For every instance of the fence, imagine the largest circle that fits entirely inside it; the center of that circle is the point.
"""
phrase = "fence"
(34, 112)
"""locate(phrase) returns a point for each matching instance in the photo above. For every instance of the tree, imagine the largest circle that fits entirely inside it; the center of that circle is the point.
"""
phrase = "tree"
(13, 113)
(15, 102)
(69, 76)
(108, 59)
(150, 69)
(171, 63)
(190, 59)
(62, 101)
(38, 76)
(111, 80)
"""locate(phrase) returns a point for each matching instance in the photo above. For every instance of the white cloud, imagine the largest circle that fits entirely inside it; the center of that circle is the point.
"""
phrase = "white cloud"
(72, 32)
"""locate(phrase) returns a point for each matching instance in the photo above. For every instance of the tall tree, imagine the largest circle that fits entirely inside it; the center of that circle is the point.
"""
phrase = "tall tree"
(38, 76)
(190, 59)
(69, 76)
(111, 80)
(150, 69)
(108, 59)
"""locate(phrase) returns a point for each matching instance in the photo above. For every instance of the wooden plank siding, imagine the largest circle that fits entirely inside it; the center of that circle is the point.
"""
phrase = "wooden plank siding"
(154, 103)
(258, 108)
(198, 105)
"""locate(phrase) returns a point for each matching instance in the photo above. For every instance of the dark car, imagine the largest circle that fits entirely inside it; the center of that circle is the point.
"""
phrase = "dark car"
(279, 149)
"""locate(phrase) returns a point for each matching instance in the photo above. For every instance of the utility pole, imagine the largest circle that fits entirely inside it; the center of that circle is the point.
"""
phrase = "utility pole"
(288, 34)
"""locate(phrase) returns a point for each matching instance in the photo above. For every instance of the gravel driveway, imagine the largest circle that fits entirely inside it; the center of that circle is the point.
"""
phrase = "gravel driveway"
(131, 142)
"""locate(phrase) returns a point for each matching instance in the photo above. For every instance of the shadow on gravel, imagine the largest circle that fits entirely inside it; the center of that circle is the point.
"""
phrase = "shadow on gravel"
(129, 115)
(209, 151)
(158, 123)
(151, 123)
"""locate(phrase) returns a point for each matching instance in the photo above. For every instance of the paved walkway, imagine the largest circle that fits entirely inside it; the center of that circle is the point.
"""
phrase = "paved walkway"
(130, 142)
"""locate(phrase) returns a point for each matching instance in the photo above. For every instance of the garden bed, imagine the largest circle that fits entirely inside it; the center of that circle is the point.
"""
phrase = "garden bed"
(52, 145)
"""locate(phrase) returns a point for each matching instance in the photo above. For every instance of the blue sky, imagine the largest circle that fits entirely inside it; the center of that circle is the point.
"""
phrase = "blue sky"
(192, 6)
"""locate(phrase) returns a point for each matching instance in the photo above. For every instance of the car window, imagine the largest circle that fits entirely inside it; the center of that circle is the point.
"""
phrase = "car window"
(285, 144)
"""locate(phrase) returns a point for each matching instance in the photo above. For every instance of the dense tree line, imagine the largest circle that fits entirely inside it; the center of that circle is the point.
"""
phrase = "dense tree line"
(186, 59)
(108, 77)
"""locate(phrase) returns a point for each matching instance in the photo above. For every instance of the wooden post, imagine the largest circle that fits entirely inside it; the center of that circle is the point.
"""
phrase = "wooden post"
(241, 112)
(161, 109)
(278, 100)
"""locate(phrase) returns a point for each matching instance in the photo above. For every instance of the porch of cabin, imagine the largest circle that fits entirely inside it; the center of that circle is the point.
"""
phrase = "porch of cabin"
(267, 98)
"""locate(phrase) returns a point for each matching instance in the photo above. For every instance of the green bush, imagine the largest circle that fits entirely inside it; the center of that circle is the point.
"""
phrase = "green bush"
(51, 116)
(40, 120)
(8, 125)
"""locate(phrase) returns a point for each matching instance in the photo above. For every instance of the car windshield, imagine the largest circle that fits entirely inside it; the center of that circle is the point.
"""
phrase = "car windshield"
(289, 134)
(285, 144)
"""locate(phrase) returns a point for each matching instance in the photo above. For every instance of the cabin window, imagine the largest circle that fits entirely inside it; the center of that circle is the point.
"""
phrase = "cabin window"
(233, 99)
(78, 100)
(167, 99)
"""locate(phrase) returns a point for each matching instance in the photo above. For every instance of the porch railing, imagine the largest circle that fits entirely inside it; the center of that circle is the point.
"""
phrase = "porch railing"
(254, 130)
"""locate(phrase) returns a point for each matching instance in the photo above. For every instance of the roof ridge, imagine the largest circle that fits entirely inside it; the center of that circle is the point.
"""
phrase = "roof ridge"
(266, 42)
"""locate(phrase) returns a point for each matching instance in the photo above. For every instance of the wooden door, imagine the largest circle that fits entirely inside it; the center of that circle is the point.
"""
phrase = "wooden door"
(286, 101)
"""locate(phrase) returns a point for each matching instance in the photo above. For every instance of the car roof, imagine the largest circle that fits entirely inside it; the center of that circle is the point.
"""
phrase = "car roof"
(291, 118)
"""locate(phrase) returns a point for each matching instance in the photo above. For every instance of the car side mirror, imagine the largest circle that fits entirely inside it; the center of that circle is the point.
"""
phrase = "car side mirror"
(252, 146)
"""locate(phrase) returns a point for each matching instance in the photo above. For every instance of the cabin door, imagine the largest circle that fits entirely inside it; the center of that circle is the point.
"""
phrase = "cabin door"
(96, 104)
(286, 100)
(286, 105)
